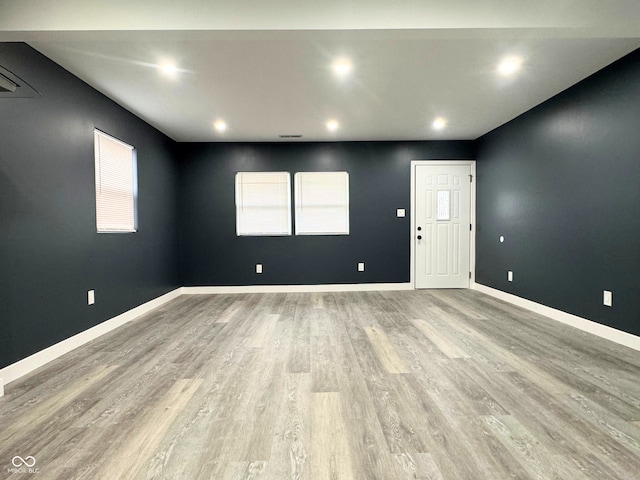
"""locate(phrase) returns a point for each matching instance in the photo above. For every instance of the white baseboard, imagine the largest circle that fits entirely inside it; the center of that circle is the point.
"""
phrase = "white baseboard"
(23, 367)
(350, 287)
(595, 328)
(16, 370)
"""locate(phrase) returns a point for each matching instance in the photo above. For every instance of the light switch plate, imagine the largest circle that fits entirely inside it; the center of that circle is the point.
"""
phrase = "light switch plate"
(400, 212)
(510, 276)
(91, 297)
(361, 266)
(258, 268)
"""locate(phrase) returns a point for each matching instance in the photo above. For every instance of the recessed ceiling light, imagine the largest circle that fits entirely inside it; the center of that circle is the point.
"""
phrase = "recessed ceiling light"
(220, 125)
(439, 123)
(509, 65)
(342, 67)
(332, 125)
(168, 68)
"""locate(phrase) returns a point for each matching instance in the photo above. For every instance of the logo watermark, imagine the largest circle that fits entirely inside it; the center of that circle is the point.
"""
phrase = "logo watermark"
(23, 465)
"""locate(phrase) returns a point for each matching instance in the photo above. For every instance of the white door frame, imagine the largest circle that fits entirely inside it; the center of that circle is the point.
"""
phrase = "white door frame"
(472, 238)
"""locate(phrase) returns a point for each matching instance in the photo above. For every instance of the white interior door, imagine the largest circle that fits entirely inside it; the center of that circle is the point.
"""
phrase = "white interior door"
(442, 226)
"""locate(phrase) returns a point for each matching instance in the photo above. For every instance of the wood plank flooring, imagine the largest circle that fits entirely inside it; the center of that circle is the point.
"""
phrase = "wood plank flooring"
(439, 385)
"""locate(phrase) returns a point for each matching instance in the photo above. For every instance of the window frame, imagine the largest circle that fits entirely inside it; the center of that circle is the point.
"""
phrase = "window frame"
(105, 200)
(304, 226)
(243, 227)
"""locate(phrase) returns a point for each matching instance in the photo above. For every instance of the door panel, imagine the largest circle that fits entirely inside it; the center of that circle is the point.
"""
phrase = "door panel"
(442, 220)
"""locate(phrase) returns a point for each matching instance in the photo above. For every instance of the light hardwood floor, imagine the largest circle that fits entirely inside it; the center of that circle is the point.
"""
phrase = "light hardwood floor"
(437, 385)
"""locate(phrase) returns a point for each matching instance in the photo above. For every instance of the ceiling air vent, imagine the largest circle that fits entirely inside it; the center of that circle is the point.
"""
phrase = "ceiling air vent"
(14, 87)
(290, 136)
(7, 85)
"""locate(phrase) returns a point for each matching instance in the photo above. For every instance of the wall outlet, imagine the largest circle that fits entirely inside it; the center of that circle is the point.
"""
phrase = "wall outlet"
(91, 297)
(607, 298)
(400, 212)
(258, 268)
(361, 266)
(510, 276)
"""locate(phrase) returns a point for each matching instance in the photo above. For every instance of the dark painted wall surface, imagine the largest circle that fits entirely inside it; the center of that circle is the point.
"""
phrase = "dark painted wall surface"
(50, 253)
(562, 184)
(379, 182)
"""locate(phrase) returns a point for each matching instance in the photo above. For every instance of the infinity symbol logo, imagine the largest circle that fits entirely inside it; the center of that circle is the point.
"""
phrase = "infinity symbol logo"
(18, 461)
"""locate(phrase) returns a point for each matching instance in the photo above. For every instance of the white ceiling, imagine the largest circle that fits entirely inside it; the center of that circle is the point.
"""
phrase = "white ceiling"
(264, 67)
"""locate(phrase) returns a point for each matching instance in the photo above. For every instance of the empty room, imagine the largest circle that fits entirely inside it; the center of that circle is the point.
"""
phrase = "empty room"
(320, 240)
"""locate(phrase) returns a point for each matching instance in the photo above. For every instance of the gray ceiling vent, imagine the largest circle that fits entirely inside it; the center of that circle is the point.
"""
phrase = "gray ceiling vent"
(290, 136)
(11, 86)
(6, 85)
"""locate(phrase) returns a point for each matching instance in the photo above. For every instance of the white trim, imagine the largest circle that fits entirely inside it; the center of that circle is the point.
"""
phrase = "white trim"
(603, 331)
(26, 365)
(472, 238)
(23, 367)
(349, 287)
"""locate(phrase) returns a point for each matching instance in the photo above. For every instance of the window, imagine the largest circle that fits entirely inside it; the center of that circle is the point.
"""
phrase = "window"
(263, 203)
(116, 184)
(322, 203)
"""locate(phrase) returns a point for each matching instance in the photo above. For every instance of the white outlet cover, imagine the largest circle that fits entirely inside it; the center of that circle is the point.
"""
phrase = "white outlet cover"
(361, 267)
(607, 298)
(400, 212)
(258, 268)
(501, 238)
(91, 297)
(510, 276)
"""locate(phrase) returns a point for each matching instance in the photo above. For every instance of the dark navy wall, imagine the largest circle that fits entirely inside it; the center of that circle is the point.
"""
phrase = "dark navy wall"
(50, 253)
(562, 184)
(379, 182)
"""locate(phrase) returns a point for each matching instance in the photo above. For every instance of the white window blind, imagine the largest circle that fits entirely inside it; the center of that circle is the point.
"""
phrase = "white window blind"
(116, 184)
(263, 203)
(322, 203)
